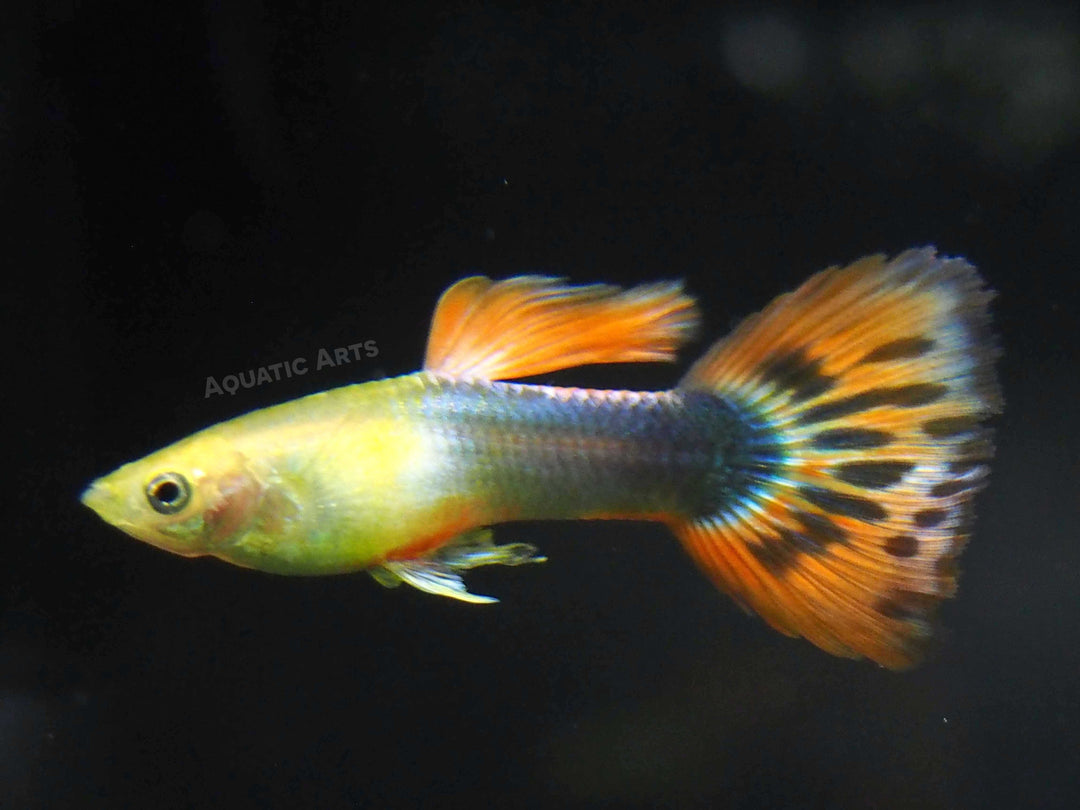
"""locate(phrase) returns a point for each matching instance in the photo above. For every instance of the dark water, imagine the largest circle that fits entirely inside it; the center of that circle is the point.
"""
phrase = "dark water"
(193, 192)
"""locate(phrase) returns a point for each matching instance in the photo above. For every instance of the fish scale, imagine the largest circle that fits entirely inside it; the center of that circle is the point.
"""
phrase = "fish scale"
(537, 452)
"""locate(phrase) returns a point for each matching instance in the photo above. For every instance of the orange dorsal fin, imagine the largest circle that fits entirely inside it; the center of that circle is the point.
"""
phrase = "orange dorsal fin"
(527, 325)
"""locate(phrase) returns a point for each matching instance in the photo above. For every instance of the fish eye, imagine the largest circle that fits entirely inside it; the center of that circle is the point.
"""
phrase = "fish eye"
(168, 493)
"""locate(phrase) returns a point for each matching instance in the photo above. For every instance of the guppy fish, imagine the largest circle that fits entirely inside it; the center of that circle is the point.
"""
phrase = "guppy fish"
(819, 463)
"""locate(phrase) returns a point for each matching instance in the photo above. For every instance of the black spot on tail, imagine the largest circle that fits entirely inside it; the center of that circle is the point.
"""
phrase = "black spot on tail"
(782, 552)
(948, 488)
(905, 605)
(950, 426)
(775, 554)
(912, 396)
(847, 505)
(822, 528)
(929, 518)
(794, 373)
(851, 439)
(971, 454)
(901, 396)
(902, 545)
(902, 349)
(873, 474)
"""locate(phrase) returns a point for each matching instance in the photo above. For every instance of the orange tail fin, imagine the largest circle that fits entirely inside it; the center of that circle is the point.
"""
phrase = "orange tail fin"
(870, 383)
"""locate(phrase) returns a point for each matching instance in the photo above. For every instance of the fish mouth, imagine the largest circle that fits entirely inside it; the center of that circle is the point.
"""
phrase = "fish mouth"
(102, 499)
(97, 497)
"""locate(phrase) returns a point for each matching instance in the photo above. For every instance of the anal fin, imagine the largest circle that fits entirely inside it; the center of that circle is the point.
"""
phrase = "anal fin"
(439, 572)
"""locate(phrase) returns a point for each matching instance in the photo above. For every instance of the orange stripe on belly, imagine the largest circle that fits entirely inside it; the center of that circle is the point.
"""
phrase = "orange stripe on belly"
(456, 516)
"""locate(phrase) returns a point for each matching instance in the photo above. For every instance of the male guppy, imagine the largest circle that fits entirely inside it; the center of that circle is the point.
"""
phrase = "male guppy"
(819, 463)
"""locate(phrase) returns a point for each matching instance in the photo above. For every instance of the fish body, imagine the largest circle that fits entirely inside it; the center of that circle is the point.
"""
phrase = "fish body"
(818, 464)
(341, 480)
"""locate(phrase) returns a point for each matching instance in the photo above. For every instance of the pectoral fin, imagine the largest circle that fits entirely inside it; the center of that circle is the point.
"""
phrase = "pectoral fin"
(438, 572)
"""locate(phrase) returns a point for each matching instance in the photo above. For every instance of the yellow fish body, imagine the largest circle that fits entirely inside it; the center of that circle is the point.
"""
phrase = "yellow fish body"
(819, 463)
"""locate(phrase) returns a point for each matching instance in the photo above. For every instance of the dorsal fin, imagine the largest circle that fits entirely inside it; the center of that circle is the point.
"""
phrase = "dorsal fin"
(527, 325)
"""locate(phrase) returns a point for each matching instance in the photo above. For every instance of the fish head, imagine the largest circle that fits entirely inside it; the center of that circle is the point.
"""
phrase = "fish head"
(192, 498)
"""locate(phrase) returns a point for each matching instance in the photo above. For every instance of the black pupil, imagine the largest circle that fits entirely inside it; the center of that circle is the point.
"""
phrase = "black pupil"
(167, 492)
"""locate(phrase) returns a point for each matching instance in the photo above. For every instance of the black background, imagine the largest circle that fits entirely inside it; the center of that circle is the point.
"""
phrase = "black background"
(192, 190)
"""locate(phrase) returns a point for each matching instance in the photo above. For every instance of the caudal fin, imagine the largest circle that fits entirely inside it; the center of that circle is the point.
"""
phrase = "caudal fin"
(869, 386)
